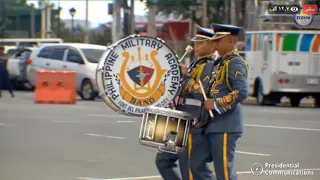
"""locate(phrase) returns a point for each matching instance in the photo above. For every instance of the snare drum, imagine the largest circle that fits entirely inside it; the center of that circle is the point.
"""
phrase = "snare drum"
(164, 128)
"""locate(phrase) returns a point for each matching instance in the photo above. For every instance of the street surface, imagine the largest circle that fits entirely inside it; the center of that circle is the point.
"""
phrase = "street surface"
(89, 141)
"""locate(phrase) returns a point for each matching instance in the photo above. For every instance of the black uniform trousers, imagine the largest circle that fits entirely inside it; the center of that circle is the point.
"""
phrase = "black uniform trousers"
(4, 80)
(174, 166)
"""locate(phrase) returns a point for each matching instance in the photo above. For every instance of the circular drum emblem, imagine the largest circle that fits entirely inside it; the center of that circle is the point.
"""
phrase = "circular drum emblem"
(139, 72)
(303, 20)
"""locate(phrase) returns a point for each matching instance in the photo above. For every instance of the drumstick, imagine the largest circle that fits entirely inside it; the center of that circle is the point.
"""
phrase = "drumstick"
(188, 50)
(204, 96)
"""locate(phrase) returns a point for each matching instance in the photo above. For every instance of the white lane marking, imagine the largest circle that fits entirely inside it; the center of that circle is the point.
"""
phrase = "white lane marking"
(126, 121)
(112, 116)
(83, 122)
(149, 177)
(3, 124)
(277, 111)
(128, 178)
(252, 153)
(93, 161)
(92, 122)
(105, 136)
(295, 121)
(281, 127)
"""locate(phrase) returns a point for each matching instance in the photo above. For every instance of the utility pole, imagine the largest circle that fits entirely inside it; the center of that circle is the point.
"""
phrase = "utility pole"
(133, 18)
(233, 14)
(126, 18)
(43, 18)
(250, 12)
(59, 20)
(48, 13)
(32, 19)
(205, 13)
(116, 22)
(86, 31)
(152, 31)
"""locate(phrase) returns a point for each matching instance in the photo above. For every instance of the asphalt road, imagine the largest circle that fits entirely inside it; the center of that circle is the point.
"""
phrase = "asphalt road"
(88, 141)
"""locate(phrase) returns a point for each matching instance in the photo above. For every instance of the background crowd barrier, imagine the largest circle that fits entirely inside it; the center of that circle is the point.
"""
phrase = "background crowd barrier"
(55, 87)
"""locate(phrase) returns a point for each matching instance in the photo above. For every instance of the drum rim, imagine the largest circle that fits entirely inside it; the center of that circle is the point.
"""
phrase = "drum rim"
(99, 75)
(100, 83)
(168, 112)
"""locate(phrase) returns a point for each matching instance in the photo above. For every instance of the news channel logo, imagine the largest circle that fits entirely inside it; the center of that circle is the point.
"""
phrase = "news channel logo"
(303, 20)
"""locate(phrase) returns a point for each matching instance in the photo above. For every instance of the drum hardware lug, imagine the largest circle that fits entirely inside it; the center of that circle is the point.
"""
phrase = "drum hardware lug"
(170, 141)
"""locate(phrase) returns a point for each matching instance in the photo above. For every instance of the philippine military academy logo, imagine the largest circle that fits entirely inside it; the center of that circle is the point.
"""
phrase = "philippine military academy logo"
(140, 72)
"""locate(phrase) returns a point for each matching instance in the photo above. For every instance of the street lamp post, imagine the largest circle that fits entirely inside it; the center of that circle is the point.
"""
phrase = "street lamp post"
(72, 12)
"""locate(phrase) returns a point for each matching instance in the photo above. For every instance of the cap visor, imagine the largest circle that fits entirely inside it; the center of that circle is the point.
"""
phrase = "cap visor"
(196, 38)
(218, 36)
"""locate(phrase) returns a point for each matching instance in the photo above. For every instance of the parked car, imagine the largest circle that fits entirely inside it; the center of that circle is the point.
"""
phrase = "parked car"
(16, 62)
(81, 58)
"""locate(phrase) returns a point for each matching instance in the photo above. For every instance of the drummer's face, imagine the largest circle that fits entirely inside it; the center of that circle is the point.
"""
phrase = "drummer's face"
(204, 48)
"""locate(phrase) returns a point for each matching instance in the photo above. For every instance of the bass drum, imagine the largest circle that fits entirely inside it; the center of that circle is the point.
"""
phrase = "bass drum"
(137, 72)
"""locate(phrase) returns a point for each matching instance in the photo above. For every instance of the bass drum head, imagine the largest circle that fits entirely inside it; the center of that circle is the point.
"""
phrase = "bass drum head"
(99, 80)
(138, 72)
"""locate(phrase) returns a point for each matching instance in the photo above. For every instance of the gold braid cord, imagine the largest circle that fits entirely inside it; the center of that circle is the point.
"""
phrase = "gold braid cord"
(193, 85)
(227, 101)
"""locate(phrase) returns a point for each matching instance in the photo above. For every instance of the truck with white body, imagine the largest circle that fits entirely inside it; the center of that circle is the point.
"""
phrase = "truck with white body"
(283, 64)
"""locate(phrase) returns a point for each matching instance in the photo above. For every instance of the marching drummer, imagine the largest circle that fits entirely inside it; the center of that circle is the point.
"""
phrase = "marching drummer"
(191, 101)
(227, 92)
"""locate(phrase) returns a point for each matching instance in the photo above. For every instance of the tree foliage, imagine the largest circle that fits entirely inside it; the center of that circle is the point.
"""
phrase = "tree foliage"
(312, 2)
(5, 5)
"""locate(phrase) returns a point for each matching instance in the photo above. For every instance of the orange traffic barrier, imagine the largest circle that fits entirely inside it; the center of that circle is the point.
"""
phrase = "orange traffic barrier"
(55, 87)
